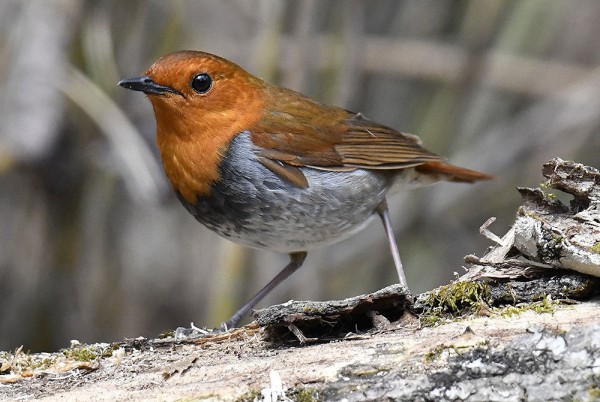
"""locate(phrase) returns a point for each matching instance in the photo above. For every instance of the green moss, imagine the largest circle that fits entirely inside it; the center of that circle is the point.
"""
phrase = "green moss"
(434, 354)
(546, 305)
(510, 311)
(594, 393)
(88, 353)
(305, 395)
(430, 319)
(457, 348)
(459, 296)
(462, 298)
(249, 396)
(166, 334)
(298, 395)
(81, 353)
(363, 370)
(21, 362)
(596, 248)
(108, 352)
(455, 300)
(510, 291)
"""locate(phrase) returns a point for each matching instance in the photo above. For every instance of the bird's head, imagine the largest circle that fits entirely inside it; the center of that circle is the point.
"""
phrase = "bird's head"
(199, 90)
(200, 102)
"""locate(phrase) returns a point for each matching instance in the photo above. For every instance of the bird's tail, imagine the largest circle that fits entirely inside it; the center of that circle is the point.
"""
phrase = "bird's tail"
(445, 171)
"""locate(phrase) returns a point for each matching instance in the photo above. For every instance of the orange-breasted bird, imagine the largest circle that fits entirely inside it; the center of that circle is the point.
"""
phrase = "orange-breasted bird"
(272, 169)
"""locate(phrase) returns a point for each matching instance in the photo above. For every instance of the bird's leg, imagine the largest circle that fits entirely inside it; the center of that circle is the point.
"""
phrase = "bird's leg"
(296, 260)
(384, 214)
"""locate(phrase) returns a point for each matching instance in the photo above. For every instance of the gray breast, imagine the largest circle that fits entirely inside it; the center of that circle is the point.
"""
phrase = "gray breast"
(253, 206)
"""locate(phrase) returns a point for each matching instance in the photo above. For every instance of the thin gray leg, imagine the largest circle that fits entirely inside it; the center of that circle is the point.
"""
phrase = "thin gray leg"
(384, 214)
(296, 260)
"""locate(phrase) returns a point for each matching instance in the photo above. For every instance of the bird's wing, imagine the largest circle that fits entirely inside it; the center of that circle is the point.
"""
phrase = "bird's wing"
(366, 144)
(305, 133)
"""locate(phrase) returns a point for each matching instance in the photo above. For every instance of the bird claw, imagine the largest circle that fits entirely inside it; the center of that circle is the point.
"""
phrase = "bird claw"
(190, 333)
(223, 327)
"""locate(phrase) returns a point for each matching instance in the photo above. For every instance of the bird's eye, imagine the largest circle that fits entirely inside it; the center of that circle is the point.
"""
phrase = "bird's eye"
(202, 83)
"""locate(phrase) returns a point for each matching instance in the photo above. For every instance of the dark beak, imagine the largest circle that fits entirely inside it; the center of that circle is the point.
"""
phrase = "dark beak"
(146, 85)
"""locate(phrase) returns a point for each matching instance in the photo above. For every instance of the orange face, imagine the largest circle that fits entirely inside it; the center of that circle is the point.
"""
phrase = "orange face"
(203, 102)
(208, 88)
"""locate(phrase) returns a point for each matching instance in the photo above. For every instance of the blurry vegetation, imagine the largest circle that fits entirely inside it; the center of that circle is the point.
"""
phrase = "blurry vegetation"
(95, 247)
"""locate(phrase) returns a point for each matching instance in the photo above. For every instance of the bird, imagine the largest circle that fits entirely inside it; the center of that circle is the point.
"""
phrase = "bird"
(272, 169)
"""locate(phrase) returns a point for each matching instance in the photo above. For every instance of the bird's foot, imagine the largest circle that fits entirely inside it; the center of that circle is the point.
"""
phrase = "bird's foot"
(190, 333)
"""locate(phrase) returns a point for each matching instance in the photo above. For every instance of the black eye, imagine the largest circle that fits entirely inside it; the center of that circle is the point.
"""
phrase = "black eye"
(202, 83)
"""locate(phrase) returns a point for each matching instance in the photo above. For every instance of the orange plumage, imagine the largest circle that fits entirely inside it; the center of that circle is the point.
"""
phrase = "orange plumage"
(191, 160)
(271, 168)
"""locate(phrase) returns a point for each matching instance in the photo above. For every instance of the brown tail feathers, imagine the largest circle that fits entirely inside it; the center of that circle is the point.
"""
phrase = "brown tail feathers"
(446, 171)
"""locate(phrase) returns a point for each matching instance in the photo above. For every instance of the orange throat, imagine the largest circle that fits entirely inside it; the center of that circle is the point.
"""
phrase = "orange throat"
(193, 132)
(191, 166)
(192, 147)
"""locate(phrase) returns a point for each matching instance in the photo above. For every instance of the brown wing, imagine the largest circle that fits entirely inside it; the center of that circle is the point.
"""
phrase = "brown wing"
(389, 149)
(366, 144)
(296, 131)
(300, 132)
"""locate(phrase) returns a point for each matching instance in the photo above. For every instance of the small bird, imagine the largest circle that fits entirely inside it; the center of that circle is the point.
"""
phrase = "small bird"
(269, 168)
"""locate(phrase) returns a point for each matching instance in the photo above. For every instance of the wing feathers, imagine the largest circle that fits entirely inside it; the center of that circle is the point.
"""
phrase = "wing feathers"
(346, 140)
(290, 173)
(301, 132)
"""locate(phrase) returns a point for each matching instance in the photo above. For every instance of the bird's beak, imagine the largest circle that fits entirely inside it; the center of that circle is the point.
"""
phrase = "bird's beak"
(146, 85)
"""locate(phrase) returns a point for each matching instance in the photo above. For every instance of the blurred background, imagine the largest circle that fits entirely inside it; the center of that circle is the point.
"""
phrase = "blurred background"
(94, 245)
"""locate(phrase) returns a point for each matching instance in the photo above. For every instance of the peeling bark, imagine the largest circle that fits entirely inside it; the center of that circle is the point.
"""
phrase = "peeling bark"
(548, 235)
